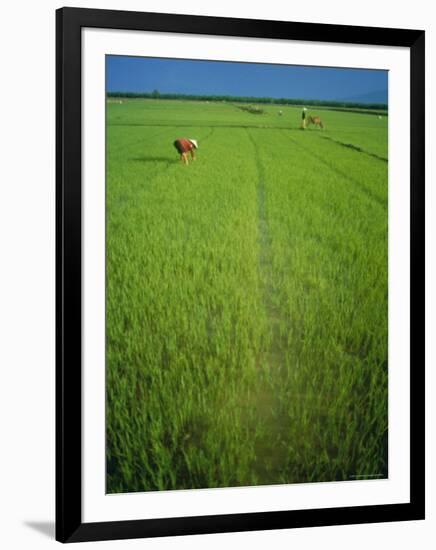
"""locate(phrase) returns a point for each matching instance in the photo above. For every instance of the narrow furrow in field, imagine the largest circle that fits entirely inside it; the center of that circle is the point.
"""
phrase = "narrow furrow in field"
(269, 459)
(355, 148)
(264, 237)
(206, 124)
(358, 183)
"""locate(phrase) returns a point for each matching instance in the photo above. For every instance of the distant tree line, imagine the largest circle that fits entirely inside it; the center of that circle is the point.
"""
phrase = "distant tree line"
(155, 94)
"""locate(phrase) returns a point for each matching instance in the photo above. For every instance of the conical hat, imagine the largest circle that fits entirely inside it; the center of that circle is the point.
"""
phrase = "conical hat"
(194, 143)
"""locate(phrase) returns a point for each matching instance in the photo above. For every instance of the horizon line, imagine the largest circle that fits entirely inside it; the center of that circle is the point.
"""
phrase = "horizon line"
(248, 97)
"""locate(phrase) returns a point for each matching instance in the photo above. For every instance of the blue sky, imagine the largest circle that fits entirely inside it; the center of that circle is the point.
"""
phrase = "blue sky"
(139, 74)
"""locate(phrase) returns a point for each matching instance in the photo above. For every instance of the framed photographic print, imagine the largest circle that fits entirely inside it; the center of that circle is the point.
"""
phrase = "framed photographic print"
(240, 274)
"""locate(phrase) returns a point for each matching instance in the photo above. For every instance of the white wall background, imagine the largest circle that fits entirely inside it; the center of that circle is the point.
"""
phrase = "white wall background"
(27, 324)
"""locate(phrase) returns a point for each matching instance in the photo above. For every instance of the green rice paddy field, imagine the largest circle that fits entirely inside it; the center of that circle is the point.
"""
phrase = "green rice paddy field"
(246, 297)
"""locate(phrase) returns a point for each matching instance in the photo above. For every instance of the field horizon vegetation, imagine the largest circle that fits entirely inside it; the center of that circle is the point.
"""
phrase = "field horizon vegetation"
(356, 106)
(246, 296)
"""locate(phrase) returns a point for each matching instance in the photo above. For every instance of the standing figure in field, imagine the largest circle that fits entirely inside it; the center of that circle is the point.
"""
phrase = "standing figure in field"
(316, 120)
(303, 118)
(184, 146)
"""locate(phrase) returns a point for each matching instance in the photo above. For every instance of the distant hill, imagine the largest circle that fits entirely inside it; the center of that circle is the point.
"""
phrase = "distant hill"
(379, 96)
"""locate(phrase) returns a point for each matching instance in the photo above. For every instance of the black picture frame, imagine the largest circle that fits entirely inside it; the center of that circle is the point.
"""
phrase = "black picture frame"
(69, 525)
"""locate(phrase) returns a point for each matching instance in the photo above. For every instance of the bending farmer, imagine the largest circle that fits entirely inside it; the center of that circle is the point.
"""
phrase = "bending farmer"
(184, 146)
